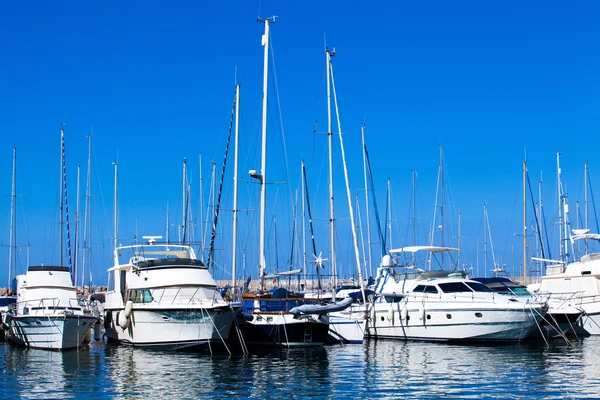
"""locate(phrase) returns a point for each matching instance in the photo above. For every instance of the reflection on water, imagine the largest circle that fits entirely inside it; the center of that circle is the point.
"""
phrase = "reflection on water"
(379, 369)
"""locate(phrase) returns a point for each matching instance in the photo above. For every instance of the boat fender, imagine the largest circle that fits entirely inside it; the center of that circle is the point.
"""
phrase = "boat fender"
(88, 335)
(123, 320)
(128, 308)
(390, 316)
(404, 312)
(422, 312)
(98, 331)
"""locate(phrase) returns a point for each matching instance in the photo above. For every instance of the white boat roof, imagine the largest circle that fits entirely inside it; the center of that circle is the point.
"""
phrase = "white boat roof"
(594, 236)
(431, 249)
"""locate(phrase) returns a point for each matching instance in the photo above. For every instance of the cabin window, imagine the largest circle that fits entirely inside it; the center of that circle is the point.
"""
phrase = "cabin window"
(586, 272)
(111, 281)
(449, 316)
(140, 296)
(454, 287)
(478, 287)
(425, 289)
(392, 299)
(478, 314)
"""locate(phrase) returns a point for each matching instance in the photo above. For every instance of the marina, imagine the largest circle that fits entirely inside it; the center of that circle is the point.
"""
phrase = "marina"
(229, 218)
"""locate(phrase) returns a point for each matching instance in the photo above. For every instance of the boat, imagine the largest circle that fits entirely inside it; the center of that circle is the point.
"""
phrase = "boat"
(47, 314)
(576, 284)
(413, 304)
(161, 296)
(562, 317)
(267, 319)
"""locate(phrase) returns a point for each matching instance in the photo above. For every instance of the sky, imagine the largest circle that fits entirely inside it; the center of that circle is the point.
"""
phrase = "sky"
(153, 83)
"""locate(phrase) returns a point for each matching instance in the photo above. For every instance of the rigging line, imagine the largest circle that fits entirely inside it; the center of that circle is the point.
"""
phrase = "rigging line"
(211, 251)
(377, 220)
(593, 204)
(537, 223)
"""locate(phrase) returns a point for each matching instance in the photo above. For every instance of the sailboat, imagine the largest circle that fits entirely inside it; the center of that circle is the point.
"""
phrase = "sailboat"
(267, 317)
(47, 313)
(8, 299)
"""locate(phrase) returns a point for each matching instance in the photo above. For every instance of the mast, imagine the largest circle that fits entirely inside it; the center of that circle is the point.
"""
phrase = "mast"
(414, 210)
(485, 239)
(263, 163)
(184, 201)
(332, 257)
(76, 258)
(525, 223)
(585, 199)
(235, 188)
(303, 224)
(167, 224)
(201, 190)
(12, 260)
(362, 131)
(459, 240)
(348, 195)
(389, 201)
(60, 218)
(87, 231)
(115, 212)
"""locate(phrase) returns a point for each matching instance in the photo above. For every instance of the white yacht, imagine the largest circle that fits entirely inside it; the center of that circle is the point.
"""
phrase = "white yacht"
(162, 296)
(47, 313)
(442, 306)
(576, 284)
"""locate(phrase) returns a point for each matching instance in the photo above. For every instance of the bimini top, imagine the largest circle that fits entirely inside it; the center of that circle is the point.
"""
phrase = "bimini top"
(431, 249)
(34, 268)
(583, 236)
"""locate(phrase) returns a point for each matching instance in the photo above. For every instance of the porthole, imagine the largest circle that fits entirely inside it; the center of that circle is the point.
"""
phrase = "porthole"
(449, 316)
(478, 314)
(428, 316)
(382, 318)
(408, 317)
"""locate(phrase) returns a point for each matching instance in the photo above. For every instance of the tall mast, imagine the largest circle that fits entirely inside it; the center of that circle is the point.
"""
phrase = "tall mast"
(87, 226)
(442, 200)
(201, 191)
(389, 201)
(76, 258)
(12, 260)
(235, 188)
(414, 210)
(485, 240)
(263, 162)
(541, 213)
(524, 222)
(332, 257)
(184, 201)
(115, 209)
(348, 195)
(459, 240)
(362, 130)
(62, 199)
(303, 223)
(585, 201)
(167, 224)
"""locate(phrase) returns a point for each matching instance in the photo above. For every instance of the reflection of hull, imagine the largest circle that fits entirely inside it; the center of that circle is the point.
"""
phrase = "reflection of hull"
(347, 326)
(50, 332)
(173, 329)
(438, 322)
(285, 330)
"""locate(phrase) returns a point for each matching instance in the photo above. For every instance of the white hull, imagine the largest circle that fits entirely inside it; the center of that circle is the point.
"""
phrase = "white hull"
(50, 332)
(438, 322)
(173, 329)
(347, 326)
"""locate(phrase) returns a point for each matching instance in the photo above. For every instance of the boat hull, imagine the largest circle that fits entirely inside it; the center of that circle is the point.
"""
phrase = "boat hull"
(285, 330)
(170, 329)
(347, 327)
(49, 332)
(435, 323)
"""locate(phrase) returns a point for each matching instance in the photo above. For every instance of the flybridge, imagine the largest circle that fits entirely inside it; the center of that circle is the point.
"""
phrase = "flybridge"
(136, 254)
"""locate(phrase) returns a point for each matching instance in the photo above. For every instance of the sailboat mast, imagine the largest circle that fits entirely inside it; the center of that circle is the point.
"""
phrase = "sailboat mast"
(414, 204)
(348, 195)
(201, 195)
(389, 213)
(459, 240)
(328, 55)
(184, 201)
(485, 240)
(303, 223)
(12, 260)
(60, 218)
(77, 207)
(87, 231)
(585, 199)
(362, 130)
(263, 161)
(115, 210)
(524, 222)
(235, 188)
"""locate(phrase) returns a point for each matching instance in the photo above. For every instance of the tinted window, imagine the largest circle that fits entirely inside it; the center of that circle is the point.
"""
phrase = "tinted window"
(478, 287)
(425, 289)
(454, 287)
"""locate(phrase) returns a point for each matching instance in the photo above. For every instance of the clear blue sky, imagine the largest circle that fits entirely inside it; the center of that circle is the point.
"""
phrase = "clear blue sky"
(154, 82)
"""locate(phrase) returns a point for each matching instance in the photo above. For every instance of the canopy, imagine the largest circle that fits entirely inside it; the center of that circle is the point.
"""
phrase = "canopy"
(431, 249)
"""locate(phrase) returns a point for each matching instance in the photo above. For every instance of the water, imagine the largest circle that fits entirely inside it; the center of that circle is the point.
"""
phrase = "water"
(378, 369)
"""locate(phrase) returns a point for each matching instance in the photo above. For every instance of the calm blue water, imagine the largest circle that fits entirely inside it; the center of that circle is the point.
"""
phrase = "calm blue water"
(382, 369)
